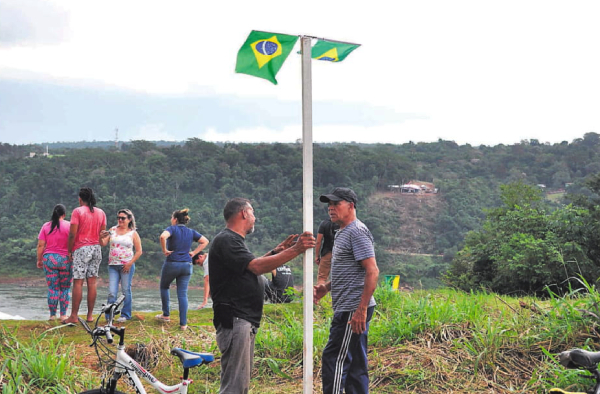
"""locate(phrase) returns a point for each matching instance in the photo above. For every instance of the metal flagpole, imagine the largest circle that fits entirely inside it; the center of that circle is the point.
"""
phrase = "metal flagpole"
(307, 208)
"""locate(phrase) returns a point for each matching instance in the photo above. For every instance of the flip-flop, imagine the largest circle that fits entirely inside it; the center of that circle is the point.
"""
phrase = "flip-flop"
(163, 318)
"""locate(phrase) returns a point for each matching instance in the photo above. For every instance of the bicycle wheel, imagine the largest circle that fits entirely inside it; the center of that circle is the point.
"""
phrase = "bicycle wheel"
(100, 391)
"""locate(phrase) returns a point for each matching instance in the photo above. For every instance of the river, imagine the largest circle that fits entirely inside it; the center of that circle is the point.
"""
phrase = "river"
(29, 302)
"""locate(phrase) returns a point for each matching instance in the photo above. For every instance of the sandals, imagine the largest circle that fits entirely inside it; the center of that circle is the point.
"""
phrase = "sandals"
(163, 318)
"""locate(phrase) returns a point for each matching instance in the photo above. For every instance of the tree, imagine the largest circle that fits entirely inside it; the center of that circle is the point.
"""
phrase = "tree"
(522, 247)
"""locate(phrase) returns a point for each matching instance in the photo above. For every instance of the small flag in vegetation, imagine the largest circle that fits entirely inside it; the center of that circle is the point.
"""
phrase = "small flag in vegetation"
(263, 54)
(332, 51)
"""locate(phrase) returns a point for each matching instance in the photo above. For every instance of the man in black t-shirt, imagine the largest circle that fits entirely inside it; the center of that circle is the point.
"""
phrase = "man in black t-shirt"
(275, 290)
(325, 238)
(237, 290)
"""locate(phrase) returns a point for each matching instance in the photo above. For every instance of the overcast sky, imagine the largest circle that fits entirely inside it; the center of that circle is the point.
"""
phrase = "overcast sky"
(477, 72)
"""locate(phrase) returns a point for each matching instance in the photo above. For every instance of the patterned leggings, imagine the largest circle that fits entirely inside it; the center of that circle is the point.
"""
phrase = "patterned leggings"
(59, 275)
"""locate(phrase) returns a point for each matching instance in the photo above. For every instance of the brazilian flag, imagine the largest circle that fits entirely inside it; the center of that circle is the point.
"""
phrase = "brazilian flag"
(332, 51)
(263, 54)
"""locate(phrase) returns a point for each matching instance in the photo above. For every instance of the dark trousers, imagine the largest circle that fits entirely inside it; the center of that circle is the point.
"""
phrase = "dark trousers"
(344, 363)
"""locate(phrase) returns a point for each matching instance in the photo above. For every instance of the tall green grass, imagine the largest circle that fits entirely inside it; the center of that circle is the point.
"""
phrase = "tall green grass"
(424, 341)
(40, 365)
(280, 339)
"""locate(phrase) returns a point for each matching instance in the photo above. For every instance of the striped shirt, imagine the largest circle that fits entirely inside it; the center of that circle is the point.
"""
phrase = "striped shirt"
(353, 244)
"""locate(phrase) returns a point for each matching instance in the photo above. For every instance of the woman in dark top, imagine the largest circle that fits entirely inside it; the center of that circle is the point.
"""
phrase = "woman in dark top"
(176, 242)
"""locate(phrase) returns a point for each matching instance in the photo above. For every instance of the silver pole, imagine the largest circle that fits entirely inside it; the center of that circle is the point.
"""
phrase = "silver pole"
(307, 170)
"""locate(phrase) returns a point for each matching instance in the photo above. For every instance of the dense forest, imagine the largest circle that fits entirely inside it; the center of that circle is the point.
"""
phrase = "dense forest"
(418, 235)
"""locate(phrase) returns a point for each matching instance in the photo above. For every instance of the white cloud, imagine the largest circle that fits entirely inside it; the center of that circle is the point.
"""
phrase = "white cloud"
(256, 134)
(461, 131)
(482, 72)
(32, 23)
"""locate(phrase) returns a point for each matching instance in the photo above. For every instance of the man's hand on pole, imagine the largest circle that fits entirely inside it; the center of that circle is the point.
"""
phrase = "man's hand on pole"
(305, 241)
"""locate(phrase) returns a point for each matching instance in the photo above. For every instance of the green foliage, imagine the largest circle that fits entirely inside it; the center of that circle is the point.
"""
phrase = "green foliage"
(487, 335)
(155, 178)
(419, 271)
(424, 341)
(523, 246)
(41, 365)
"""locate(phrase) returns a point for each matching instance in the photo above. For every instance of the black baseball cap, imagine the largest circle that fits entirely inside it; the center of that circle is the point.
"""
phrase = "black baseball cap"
(339, 194)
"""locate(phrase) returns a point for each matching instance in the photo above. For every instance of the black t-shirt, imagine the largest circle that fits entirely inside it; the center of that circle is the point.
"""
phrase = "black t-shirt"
(231, 283)
(283, 278)
(328, 229)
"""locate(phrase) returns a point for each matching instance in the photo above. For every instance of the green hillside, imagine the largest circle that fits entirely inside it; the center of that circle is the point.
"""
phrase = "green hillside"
(417, 235)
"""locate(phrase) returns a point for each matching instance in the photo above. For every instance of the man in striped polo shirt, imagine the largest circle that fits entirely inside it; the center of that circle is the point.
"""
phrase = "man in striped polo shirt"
(354, 275)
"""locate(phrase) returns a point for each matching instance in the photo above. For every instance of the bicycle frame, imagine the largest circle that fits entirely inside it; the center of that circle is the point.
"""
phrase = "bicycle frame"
(127, 365)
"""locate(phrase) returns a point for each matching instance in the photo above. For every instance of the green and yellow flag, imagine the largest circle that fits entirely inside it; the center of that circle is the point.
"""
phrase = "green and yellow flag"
(263, 54)
(332, 51)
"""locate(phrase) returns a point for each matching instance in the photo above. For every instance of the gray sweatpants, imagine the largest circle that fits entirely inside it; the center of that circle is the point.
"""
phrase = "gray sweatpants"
(237, 356)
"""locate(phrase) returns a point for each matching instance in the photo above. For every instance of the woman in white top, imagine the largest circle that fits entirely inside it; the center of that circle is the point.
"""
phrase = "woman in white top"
(125, 249)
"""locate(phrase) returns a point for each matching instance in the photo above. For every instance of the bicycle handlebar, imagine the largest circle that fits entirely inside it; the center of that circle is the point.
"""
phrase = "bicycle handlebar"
(109, 338)
(112, 309)
(106, 331)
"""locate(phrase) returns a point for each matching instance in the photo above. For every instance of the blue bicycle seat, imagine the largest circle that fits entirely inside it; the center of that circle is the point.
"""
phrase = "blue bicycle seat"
(192, 359)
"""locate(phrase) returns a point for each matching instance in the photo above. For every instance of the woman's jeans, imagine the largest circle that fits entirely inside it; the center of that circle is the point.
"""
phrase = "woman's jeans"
(116, 275)
(181, 272)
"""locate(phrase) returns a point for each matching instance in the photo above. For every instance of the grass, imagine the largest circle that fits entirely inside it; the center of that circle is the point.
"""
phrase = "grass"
(42, 365)
(420, 342)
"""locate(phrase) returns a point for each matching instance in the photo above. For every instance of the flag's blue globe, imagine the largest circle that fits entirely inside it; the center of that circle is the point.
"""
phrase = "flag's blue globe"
(266, 47)
(328, 59)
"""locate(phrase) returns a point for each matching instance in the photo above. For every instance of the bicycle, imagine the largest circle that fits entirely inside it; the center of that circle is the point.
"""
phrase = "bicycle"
(584, 360)
(125, 365)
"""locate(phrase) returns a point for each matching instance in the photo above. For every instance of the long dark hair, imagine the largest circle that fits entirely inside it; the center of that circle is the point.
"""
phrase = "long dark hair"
(57, 213)
(87, 195)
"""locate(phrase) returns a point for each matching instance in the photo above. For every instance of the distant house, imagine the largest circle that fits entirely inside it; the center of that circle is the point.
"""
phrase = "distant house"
(410, 188)
(33, 154)
(394, 188)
